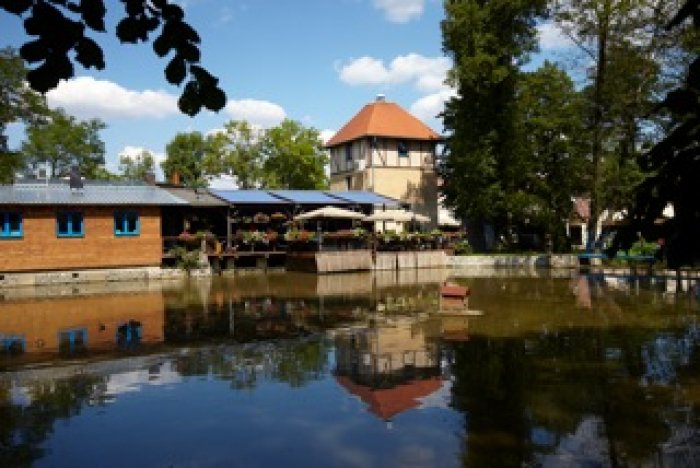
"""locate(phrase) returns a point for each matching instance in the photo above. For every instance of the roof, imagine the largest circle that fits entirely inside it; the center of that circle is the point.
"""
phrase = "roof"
(253, 197)
(387, 403)
(93, 193)
(365, 198)
(196, 197)
(383, 119)
(316, 197)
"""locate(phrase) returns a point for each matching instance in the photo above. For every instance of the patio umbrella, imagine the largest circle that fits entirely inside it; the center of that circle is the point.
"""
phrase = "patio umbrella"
(329, 212)
(400, 216)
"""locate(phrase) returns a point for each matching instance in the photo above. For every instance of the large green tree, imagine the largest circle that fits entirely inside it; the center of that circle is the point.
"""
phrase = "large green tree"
(59, 37)
(17, 104)
(137, 167)
(237, 150)
(294, 157)
(487, 41)
(627, 57)
(552, 145)
(673, 164)
(63, 141)
(185, 156)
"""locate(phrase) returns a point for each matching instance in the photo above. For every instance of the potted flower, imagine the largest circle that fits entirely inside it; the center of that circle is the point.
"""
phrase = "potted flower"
(278, 217)
(261, 218)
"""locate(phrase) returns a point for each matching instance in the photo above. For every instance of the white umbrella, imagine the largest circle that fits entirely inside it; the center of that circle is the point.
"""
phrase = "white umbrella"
(329, 212)
(399, 216)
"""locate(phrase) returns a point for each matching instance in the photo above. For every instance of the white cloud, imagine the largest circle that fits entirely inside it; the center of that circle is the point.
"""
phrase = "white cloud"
(326, 135)
(551, 37)
(428, 107)
(263, 113)
(400, 11)
(86, 97)
(427, 74)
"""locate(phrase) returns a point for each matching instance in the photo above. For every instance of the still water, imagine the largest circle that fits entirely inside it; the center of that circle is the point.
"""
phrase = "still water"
(350, 370)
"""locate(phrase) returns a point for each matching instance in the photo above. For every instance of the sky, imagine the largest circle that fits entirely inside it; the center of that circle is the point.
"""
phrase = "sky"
(315, 61)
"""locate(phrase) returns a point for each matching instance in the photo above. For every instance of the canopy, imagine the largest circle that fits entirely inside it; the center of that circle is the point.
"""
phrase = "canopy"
(329, 212)
(397, 215)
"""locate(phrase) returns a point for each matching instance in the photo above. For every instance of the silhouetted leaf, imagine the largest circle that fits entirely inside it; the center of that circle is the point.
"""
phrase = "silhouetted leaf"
(161, 46)
(89, 54)
(176, 70)
(189, 52)
(128, 30)
(34, 51)
(190, 102)
(213, 98)
(15, 6)
(173, 12)
(93, 13)
(47, 75)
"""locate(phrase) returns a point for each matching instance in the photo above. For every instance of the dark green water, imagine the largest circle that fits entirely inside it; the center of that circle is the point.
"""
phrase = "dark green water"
(350, 370)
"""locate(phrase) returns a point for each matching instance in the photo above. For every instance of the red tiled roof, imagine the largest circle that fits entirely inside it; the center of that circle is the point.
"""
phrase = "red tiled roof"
(387, 403)
(383, 119)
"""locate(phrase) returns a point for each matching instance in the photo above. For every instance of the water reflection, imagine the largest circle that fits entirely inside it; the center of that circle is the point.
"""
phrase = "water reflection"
(354, 370)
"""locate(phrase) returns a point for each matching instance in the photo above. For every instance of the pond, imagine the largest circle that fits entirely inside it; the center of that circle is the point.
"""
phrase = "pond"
(361, 369)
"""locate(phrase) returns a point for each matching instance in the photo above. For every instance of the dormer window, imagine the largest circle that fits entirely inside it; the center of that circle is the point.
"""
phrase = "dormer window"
(403, 148)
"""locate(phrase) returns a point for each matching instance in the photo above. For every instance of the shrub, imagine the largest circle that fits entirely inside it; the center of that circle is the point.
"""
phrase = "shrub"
(463, 248)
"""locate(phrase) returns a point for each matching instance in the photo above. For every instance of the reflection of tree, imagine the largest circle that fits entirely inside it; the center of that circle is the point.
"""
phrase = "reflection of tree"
(24, 428)
(554, 383)
(293, 362)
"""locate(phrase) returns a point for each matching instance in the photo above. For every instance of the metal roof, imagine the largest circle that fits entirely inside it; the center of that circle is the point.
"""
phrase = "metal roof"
(196, 197)
(364, 198)
(93, 193)
(251, 197)
(314, 197)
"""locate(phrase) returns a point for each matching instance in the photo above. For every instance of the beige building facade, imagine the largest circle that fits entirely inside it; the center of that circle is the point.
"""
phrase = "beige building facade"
(386, 150)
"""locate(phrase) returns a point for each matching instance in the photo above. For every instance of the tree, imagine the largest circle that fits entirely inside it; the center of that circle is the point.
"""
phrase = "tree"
(238, 151)
(59, 29)
(137, 167)
(63, 141)
(628, 49)
(487, 42)
(673, 164)
(17, 103)
(184, 156)
(552, 140)
(294, 157)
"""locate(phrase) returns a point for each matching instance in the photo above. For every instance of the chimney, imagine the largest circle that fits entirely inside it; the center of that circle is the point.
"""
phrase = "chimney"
(150, 178)
(380, 98)
(175, 178)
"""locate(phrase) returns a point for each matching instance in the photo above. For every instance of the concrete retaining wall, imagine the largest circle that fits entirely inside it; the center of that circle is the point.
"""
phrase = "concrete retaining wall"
(88, 276)
(517, 261)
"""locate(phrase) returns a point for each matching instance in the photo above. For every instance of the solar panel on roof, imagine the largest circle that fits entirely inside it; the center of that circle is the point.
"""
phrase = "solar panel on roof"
(362, 197)
(308, 196)
(247, 196)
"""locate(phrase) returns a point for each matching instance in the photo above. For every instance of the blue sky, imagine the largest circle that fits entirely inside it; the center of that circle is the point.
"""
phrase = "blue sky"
(316, 61)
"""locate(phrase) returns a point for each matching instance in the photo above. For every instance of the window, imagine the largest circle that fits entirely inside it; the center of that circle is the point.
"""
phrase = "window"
(402, 148)
(70, 224)
(348, 183)
(72, 341)
(126, 223)
(348, 152)
(10, 225)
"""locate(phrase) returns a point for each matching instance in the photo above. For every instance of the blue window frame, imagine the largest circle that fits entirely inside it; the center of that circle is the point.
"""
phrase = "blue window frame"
(13, 345)
(11, 226)
(126, 223)
(402, 148)
(70, 224)
(72, 340)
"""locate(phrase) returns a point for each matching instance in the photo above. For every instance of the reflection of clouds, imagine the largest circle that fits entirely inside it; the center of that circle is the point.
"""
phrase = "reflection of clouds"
(132, 381)
(438, 399)
(666, 353)
(585, 447)
(20, 396)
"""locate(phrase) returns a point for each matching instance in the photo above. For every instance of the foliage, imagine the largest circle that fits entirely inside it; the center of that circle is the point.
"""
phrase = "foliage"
(64, 141)
(185, 154)
(643, 248)
(58, 31)
(463, 248)
(185, 259)
(17, 103)
(237, 151)
(137, 167)
(294, 157)
(487, 42)
(673, 165)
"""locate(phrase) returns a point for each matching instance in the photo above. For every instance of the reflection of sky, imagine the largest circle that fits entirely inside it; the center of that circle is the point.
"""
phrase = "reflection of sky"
(666, 352)
(133, 381)
(587, 446)
(439, 399)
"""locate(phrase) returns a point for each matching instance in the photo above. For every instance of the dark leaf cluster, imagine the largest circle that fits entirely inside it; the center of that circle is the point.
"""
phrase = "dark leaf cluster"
(59, 27)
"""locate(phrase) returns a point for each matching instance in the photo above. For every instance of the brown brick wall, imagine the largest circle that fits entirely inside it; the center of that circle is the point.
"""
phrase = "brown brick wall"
(41, 249)
(40, 320)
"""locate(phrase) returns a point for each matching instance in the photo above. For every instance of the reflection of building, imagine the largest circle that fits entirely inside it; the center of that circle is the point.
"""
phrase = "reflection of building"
(72, 324)
(390, 367)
